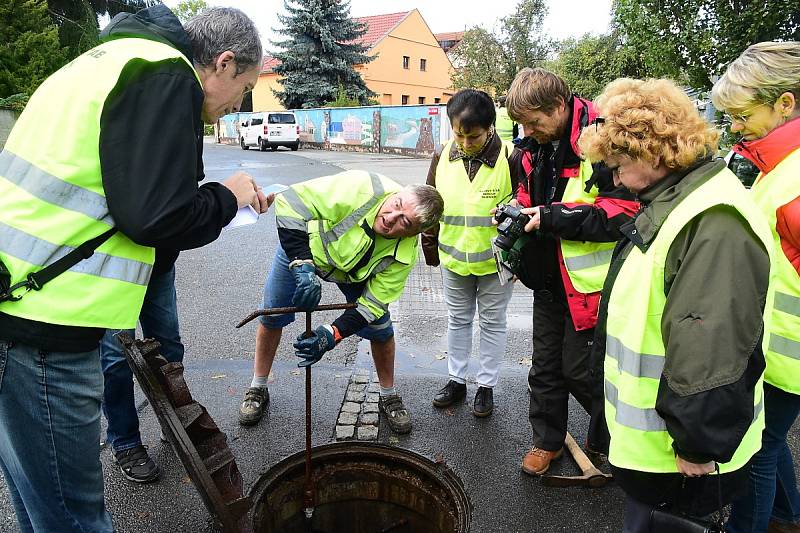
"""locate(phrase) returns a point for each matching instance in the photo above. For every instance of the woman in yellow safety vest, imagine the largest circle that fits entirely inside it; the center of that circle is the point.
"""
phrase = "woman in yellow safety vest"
(472, 174)
(760, 92)
(683, 309)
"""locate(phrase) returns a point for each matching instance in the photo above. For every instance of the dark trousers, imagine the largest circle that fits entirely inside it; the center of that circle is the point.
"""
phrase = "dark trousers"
(560, 368)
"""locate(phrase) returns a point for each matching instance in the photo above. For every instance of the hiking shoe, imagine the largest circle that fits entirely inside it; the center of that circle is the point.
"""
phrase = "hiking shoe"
(537, 461)
(450, 394)
(397, 415)
(484, 402)
(252, 408)
(136, 465)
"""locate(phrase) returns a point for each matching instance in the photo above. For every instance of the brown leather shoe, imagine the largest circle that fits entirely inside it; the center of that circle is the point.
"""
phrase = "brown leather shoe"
(537, 461)
(782, 527)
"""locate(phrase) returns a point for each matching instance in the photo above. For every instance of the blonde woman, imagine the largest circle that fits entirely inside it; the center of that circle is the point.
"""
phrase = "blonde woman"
(682, 307)
(759, 92)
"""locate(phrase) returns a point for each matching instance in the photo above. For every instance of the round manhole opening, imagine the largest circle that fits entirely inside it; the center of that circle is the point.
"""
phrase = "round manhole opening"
(361, 488)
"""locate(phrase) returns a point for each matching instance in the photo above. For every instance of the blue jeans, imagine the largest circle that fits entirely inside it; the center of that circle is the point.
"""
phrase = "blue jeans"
(159, 320)
(772, 490)
(50, 438)
(279, 290)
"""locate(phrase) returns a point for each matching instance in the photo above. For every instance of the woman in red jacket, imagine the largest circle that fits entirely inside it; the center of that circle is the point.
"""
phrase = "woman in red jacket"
(760, 92)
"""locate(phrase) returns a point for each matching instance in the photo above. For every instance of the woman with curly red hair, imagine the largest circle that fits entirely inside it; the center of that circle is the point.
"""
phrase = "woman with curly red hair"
(682, 313)
(760, 93)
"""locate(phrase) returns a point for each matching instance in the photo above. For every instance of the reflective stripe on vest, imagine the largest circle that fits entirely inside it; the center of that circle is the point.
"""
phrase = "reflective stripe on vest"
(586, 262)
(331, 210)
(52, 197)
(770, 192)
(466, 230)
(635, 352)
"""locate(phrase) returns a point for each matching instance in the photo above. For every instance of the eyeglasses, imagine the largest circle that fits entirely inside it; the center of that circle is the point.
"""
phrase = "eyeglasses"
(597, 121)
(742, 117)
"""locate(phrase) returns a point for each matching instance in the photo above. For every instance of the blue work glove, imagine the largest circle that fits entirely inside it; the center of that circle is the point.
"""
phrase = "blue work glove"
(308, 289)
(312, 348)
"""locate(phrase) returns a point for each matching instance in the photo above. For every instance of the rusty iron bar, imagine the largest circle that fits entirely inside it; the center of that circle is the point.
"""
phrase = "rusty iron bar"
(308, 500)
(282, 310)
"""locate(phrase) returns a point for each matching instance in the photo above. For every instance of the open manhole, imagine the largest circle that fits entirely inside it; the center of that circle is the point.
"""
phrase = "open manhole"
(359, 487)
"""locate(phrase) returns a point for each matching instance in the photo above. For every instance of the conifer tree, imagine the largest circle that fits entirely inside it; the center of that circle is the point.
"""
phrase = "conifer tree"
(319, 54)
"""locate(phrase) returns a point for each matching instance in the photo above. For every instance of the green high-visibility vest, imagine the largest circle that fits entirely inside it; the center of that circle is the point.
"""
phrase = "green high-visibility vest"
(338, 212)
(466, 230)
(635, 352)
(771, 191)
(586, 262)
(503, 125)
(52, 197)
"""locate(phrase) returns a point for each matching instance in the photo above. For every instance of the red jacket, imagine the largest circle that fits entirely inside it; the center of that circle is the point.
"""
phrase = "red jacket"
(766, 153)
(597, 222)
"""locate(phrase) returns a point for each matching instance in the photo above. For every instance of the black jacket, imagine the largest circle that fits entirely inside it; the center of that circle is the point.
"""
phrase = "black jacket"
(151, 150)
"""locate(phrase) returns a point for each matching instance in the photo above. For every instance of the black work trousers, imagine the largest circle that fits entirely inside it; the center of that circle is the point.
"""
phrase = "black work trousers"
(560, 368)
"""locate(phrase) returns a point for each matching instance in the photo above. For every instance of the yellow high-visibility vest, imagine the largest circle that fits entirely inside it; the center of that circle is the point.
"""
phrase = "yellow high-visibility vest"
(52, 197)
(635, 352)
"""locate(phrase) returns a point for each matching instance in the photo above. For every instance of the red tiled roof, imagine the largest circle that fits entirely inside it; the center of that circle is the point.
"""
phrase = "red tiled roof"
(450, 36)
(269, 63)
(378, 26)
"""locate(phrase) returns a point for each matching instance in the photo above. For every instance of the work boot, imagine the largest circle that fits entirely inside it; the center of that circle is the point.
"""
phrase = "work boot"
(450, 394)
(253, 405)
(484, 402)
(136, 465)
(397, 415)
(782, 527)
(537, 461)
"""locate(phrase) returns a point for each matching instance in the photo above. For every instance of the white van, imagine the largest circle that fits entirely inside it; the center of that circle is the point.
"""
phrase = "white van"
(270, 130)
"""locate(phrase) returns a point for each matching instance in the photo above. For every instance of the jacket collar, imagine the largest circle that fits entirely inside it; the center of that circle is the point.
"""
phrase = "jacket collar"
(488, 154)
(156, 23)
(768, 151)
(661, 198)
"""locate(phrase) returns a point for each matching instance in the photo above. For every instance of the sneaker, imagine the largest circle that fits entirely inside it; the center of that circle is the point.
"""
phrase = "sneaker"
(397, 415)
(252, 408)
(484, 402)
(450, 394)
(537, 461)
(136, 465)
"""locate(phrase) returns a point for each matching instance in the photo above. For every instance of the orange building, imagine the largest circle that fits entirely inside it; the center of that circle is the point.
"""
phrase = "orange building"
(409, 66)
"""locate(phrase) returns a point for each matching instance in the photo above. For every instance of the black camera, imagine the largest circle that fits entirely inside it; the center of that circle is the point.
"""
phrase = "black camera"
(511, 225)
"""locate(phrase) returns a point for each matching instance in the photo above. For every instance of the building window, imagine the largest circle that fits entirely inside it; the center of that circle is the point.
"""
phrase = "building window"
(404, 99)
(437, 100)
(421, 99)
(406, 59)
(386, 99)
(422, 64)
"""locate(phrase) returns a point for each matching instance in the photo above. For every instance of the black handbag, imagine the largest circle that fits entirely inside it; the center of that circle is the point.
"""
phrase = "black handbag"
(663, 520)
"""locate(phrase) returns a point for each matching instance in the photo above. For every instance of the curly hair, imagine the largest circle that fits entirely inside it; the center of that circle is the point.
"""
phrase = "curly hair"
(648, 120)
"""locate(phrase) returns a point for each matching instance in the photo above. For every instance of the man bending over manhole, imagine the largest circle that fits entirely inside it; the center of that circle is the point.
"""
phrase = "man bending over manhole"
(359, 230)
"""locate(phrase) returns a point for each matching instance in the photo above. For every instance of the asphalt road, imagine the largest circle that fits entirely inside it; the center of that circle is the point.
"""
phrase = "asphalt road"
(221, 283)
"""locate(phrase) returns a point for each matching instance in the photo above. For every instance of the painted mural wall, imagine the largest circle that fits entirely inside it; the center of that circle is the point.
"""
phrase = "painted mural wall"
(410, 130)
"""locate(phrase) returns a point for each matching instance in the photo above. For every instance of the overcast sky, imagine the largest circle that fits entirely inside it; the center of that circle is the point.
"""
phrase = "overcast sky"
(570, 18)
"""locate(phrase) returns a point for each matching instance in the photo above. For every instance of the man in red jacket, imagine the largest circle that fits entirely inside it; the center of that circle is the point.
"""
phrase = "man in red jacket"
(573, 206)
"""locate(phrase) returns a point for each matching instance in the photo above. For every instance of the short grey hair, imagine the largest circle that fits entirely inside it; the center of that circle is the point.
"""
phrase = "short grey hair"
(430, 205)
(219, 29)
(759, 76)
